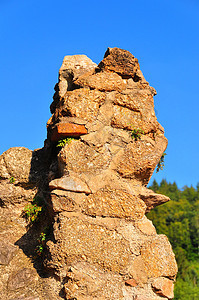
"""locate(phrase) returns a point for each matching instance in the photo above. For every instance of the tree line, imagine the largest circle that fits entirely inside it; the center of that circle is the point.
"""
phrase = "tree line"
(179, 220)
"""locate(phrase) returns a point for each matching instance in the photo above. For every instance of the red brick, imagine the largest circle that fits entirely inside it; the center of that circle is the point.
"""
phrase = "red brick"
(131, 282)
(63, 130)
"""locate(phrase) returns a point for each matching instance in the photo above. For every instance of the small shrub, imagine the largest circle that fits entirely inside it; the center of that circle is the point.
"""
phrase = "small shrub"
(160, 165)
(136, 133)
(12, 180)
(61, 143)
(41, 243)
(43, 237)
(32, 210)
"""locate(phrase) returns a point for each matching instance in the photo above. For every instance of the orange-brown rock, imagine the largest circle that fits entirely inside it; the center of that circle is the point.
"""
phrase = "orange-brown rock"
(134, 110)
(81, 103)
(137, 271)
(22, 277)
(24, 166)
(92, 234)
(152, 199)
(139, 158)
(80, 158)
(72, 67)
(131, 282)
(16, 163)
(78, 239)
(120, 61)
(65, 201)
(163, 287)
(70, 183)
(109, 202)
(86, 279)
(63, 130)
(7, 252)
(105, 81)
(146, 226)
(158, 257)
(109, 225)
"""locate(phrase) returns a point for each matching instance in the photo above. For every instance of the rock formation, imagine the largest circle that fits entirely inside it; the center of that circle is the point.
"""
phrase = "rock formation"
(91, 233)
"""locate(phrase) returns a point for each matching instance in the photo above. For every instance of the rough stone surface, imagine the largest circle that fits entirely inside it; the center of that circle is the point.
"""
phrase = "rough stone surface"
(81, 103)
(72, 67)
(7, 252)
(146, 226)
(70, 183)
(79, 157)
(87, 279)
(26, 167)
(152, 199)
(114, 203)
(16, 162)
(139, 158)
(92, 239)
(106, 81)
(78, 239)
(26, 298)
(11, 194)
(120, 61)
(163, 287)
(158, 257)
(65, 201)
(21, 278)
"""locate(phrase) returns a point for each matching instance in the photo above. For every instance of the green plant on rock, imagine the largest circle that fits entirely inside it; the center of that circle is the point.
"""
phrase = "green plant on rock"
(43, 237)
(41, 243)
(137, 133)
(33, 210)
(61, 143)
(160, 165)
(12, 180)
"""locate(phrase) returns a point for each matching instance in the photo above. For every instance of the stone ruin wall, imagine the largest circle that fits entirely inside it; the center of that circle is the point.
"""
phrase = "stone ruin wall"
(101, 244)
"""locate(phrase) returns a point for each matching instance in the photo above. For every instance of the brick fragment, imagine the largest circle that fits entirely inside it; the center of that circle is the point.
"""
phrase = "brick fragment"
(131, 282)
(63, 130)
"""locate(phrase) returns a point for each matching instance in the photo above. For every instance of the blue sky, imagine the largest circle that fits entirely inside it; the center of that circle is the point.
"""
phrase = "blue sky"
(163, 35)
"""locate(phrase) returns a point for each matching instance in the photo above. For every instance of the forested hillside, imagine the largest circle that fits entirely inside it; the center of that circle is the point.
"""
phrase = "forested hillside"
(179, 220)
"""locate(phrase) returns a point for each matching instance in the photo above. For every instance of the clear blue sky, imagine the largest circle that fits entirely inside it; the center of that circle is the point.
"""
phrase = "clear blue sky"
(162, 34)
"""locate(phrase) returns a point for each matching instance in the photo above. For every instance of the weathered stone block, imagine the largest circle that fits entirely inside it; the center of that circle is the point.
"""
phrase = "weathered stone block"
(119, 61)
(109, 202)
(16, 162)
(79, 157)
(82, 103)
(22, 278)
(77, 240)
(11, 194)
(159, 258)
(139, 159)
(7, 252)
(152, 199)
(103, 81)
(64, 201)
(72, 67)
(87, 281)
(146, 226)
(70, 183)
(131, 282)
(163, 287)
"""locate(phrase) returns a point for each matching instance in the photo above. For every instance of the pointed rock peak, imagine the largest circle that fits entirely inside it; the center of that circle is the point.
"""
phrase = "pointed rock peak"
(120, 61)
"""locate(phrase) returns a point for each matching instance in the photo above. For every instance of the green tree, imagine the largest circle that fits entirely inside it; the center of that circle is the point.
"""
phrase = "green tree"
(179, 220)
